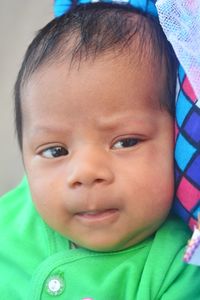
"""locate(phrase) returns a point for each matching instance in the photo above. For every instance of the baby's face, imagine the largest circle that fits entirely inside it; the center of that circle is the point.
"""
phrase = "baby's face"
(98, 151)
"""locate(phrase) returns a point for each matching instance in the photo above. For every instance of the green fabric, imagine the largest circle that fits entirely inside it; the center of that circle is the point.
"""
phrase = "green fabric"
(31, 254)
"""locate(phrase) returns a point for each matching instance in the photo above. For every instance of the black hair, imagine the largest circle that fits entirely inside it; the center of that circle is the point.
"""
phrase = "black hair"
(88, 31)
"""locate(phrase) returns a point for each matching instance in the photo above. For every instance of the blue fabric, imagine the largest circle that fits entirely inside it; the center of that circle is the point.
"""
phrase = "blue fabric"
(147, 6)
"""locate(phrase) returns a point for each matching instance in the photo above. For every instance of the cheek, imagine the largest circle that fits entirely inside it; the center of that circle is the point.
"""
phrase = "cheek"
(159, 166)
(149, 181)
(159, 181)
(150, 197)
(43, 193)
(46, 199)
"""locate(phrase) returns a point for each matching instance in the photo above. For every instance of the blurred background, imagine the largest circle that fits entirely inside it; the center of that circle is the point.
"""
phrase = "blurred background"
(19, 21)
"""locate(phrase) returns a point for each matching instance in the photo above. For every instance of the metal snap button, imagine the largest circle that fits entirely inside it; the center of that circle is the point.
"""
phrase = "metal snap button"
(55, 285)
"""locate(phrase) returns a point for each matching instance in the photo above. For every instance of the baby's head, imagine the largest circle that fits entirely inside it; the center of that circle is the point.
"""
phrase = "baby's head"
(94, 105)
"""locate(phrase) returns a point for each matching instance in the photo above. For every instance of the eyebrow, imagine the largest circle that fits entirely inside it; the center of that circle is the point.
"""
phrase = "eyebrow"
(103, 124)
(41, 129)
(117, 121)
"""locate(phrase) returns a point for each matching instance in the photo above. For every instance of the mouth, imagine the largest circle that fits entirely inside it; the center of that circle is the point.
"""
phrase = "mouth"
(91, 217)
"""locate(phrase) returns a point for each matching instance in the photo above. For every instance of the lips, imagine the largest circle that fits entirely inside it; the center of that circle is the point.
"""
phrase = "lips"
(97, 216)
(96, 213)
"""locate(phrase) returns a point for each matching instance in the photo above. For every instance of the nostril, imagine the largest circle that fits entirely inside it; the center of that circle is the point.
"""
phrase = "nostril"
(86, 173)
(77, 184)
(99, 180)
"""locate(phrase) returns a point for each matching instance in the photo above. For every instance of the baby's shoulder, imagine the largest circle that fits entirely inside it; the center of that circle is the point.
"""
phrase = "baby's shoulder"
(165, 261)
(18, 218)
(172, 236)
(13, 205)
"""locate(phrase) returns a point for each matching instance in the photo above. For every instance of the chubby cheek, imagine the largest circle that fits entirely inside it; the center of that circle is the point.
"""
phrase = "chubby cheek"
(45, 196)
(41, 196)
(159, 190)
(150, 186)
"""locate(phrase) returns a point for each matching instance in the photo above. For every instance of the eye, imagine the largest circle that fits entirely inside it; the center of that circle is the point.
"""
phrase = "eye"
(125, 143)
(54, 152)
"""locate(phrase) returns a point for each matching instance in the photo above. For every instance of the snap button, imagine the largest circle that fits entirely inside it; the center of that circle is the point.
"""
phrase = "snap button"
(55, 285)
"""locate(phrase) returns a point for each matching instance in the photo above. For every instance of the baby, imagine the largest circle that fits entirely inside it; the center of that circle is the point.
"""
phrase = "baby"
(94, 116)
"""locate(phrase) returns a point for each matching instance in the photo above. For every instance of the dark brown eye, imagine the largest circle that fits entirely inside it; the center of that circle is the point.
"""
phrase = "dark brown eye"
(54, 152)
(125, 143)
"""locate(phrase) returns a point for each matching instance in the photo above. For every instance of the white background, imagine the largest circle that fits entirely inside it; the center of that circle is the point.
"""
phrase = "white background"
(19, 21)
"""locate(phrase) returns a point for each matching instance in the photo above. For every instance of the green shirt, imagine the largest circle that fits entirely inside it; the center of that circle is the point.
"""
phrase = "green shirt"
(38, 263)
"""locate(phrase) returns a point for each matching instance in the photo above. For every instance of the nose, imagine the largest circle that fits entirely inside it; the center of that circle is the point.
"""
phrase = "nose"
(89, 167)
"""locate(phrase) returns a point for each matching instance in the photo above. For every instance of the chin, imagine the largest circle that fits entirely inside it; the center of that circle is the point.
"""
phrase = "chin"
(105, 246)
(100, 246)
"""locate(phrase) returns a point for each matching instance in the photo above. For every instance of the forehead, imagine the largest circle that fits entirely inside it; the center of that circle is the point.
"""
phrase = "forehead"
(104, 85)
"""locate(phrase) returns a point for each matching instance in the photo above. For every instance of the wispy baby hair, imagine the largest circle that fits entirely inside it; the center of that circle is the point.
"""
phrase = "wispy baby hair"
(86, 32)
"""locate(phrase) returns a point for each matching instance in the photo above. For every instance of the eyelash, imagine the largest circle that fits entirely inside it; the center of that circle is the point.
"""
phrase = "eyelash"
(128, 143)
(58, 151)
(54, 152)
